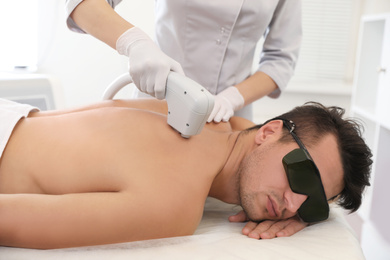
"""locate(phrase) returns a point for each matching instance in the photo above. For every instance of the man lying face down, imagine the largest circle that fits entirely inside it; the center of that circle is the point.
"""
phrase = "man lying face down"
(116, 172)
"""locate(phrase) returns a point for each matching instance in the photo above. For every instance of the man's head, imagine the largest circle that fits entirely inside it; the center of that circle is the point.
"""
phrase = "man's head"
(335, 145)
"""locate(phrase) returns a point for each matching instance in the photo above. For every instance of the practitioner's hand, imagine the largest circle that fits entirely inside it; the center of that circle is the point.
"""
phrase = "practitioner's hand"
(149, 66)
(225, 103)
(269, 228)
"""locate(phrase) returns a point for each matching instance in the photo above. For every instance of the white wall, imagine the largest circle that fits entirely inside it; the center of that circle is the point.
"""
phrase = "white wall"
(84, 65)
(376, 6)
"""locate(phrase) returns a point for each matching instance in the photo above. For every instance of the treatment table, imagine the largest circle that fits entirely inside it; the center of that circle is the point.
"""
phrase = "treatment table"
(217, 238)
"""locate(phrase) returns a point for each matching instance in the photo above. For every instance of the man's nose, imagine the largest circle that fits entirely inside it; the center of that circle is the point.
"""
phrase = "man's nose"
(294, 201)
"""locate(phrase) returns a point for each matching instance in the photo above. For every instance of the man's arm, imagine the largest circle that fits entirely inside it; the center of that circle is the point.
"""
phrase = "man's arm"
(59, 221)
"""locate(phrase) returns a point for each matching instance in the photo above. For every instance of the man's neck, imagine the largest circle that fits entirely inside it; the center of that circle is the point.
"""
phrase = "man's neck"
(225, 184)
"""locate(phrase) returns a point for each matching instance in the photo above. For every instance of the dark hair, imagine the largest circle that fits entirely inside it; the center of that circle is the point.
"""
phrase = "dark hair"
(313, 121)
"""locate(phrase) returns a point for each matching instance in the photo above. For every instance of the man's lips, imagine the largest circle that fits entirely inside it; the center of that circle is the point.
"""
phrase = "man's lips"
(271, 208)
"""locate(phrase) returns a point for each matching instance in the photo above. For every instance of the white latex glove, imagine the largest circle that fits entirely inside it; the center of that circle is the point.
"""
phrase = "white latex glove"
(225, 103)
(149, 66)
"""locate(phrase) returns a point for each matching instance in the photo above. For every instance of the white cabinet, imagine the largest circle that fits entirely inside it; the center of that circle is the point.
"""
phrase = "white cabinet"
(42, 91)
(371, 103)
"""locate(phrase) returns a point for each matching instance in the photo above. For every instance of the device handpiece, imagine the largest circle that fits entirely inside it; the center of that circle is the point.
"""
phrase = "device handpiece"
(189, 104)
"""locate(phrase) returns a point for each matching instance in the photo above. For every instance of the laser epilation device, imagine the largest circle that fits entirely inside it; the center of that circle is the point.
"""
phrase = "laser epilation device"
(189, 104)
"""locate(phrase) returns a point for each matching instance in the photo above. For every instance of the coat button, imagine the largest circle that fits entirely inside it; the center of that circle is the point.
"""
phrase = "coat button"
(218, 42)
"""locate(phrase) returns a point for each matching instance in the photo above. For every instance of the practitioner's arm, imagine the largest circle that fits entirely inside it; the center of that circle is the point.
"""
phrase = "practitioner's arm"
(149, 65)
(97, 18)
(59, 221)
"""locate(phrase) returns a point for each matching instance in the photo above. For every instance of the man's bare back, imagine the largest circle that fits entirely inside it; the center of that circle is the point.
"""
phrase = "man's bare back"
(113, 156)
(109, 173)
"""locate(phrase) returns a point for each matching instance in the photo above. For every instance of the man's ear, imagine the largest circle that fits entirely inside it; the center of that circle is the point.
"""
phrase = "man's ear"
(272, 129)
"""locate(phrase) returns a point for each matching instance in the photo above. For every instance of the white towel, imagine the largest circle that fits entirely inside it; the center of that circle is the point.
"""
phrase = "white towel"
(10, 114)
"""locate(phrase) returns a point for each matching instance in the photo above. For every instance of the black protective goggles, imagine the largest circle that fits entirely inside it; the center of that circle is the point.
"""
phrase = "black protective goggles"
(304, 178)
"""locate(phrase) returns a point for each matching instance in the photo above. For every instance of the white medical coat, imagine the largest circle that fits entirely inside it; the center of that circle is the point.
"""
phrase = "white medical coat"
(215, 40)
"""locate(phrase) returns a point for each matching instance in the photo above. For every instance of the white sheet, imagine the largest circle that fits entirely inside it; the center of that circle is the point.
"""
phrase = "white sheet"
(216, 238)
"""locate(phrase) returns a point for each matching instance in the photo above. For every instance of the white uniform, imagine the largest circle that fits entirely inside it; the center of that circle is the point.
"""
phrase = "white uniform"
(10, 114)
(215, 40)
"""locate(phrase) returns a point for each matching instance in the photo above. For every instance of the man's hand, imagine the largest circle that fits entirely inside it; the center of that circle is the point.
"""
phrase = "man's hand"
(149, 66)
(269, 228)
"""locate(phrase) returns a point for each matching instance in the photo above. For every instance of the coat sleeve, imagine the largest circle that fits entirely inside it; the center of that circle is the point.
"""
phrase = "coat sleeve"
(70, 5)
(282, 44)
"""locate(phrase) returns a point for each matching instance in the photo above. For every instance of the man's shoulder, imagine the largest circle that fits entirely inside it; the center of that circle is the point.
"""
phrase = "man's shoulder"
(240, 123)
